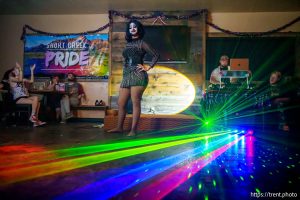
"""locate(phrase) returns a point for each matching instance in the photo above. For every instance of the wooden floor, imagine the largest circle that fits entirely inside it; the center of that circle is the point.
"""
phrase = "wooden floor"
(81, 161)
(152, 122)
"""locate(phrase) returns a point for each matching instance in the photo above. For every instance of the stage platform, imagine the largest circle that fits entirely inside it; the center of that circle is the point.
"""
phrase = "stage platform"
(151, 122)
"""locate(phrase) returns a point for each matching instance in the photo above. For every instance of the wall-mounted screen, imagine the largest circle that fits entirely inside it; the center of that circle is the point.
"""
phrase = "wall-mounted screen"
(171, 42)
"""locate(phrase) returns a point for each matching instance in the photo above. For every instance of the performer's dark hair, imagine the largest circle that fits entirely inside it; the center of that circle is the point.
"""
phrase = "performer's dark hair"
(6, 74)
(140, 30)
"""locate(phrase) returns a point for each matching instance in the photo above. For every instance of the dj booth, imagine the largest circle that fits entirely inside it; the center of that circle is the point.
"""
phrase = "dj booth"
(243, 104)
(236, 103)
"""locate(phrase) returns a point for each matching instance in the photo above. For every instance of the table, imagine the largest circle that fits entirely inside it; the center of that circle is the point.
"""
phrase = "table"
(46, 94)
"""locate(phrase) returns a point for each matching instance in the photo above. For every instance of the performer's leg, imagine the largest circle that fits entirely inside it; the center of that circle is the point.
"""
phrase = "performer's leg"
(124, 95)
(136, 97)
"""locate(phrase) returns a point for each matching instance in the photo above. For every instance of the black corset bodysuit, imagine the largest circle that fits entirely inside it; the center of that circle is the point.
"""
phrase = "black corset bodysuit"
(133, 54)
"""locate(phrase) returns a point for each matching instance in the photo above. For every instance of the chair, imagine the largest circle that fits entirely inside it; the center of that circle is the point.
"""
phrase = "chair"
(23, 108)
(12, 109)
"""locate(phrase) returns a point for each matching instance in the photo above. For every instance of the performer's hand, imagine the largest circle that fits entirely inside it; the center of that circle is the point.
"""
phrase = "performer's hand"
(143, 67)
(32, 67)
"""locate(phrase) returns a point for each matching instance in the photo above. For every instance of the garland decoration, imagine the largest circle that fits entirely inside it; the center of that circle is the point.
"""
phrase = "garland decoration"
(27, 27)
(256, 34)
(160, 15)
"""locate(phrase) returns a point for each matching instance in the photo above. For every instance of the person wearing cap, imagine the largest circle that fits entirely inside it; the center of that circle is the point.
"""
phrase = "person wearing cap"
(215, 77)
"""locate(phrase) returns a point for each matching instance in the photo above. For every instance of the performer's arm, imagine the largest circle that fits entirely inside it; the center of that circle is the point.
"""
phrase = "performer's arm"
(152, 52)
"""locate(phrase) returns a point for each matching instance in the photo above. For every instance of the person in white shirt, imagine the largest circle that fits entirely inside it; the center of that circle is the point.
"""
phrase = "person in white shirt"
(20, 93)
(215, 77)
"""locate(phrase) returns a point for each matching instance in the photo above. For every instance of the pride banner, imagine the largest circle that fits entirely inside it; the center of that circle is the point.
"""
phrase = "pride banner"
(84, 55)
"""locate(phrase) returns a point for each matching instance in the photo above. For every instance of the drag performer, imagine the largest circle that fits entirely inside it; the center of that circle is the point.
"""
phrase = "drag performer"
(135, 77)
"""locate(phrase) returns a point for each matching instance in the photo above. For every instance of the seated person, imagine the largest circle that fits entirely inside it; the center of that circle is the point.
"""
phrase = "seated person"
(7, 97)
(1, 101)
(73, 97)
(280, 97)
(4, 81)
(275, 78)
(276, 83)
(54, 98)
(215, 77)
(20, 92)
(1, 86)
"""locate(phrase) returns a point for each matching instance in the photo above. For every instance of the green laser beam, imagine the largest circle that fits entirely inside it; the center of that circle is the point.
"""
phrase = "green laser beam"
(26, 173)
(79, 151)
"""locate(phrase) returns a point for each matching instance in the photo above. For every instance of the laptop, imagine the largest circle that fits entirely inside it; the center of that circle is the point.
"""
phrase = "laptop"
(239, 64)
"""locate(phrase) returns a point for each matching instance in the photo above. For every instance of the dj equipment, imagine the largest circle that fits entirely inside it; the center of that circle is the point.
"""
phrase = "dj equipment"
(234, 97)
(235, 74)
